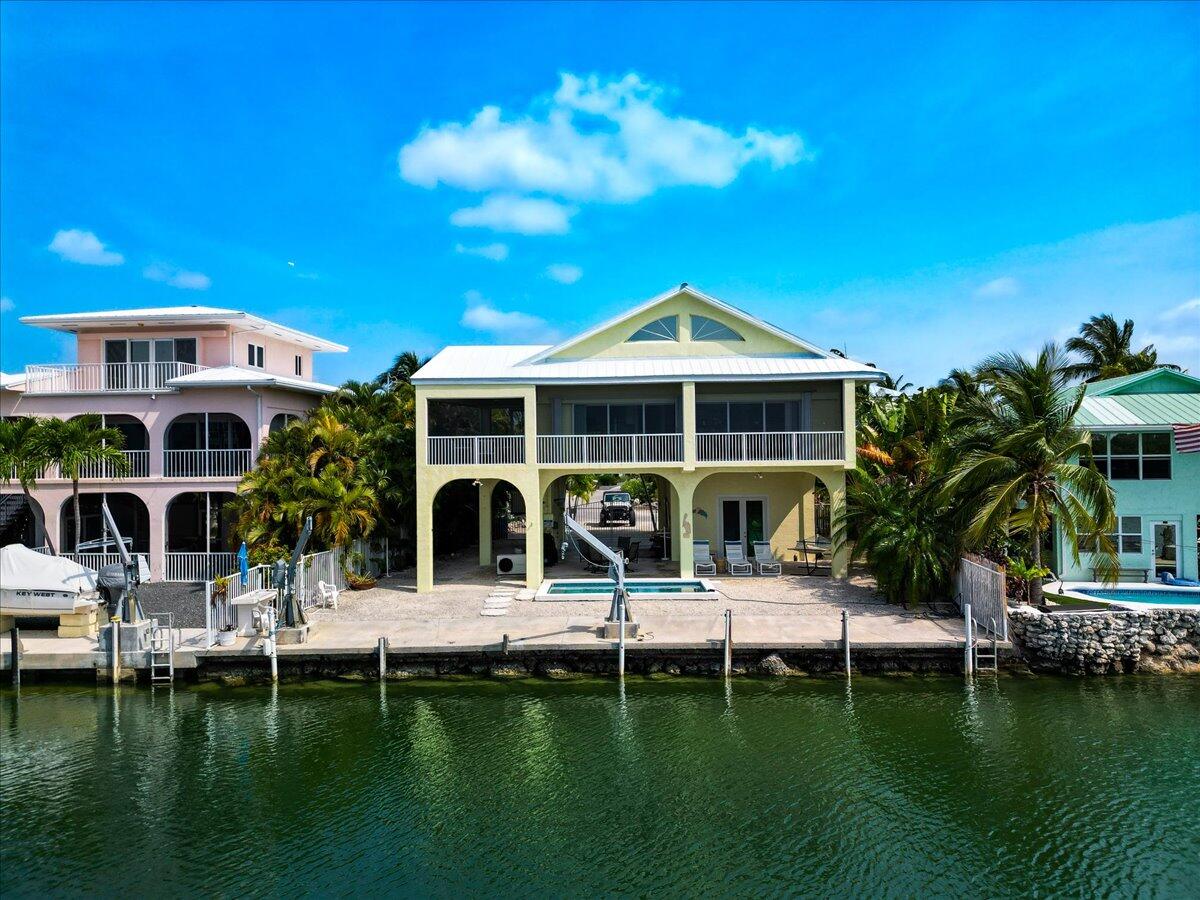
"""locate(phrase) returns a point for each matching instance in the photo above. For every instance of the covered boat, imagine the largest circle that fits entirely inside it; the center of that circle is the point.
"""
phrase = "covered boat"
(34, 583)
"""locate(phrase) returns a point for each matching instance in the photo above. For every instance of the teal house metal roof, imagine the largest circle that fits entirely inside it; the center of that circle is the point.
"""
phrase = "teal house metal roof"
(1160, 397)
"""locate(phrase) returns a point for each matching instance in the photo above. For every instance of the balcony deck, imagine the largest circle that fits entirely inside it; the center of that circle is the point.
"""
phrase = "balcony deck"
(104, 378)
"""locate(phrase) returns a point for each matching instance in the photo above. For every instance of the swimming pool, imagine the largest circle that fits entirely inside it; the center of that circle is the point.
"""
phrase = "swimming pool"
(639, 589)
(1143, 596)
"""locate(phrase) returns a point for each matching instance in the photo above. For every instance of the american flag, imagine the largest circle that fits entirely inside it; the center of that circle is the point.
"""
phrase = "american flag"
(1187, 438)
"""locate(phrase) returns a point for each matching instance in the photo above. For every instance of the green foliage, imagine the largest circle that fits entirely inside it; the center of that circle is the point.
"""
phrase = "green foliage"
(643, 489)
(1105, 350)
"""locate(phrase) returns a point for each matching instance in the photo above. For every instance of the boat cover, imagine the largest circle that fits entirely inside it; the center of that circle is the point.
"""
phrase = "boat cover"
(32, 581)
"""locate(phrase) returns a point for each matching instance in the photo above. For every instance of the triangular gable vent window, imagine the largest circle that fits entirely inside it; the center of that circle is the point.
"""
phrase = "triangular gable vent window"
(664, 329)
(706, 329)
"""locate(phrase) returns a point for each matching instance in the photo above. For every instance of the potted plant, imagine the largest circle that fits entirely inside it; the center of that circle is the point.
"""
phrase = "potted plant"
(220, 588)
(227, 635)
(355, 581)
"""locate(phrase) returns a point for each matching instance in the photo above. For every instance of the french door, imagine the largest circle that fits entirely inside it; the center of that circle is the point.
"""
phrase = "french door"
(1166, 548)
(743, 519)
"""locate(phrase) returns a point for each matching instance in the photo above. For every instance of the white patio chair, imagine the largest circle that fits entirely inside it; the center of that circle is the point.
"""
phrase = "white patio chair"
(328, 594)
(765, 559)
(735, 559)
(704, 564)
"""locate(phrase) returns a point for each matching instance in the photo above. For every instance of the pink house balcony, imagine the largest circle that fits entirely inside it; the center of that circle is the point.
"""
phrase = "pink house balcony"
(99, 378)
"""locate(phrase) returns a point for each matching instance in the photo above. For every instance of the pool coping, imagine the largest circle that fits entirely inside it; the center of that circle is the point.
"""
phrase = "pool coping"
(710, 592)
(1074, 590)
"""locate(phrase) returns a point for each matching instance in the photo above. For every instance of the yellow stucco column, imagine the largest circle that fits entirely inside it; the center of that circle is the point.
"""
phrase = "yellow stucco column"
(849, 426)
(808, 506)
(534, 564)
(486, 487)
(685, 491)
(673, 525)
(836, 483)
(689, 426)
(426, 491)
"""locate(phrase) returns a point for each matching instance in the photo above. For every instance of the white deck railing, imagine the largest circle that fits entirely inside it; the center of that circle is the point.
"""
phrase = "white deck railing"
(98, 560)
(488, 450)
(191, 567)
(609, 449)
(93, 378)
(206, 463)
(771, 446)
(138, 467)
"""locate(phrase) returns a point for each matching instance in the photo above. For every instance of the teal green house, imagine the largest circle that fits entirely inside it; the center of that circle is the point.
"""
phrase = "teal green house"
(1142, 443)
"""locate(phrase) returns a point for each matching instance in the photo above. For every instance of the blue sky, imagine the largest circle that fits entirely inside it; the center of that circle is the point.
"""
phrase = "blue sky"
(917, 184)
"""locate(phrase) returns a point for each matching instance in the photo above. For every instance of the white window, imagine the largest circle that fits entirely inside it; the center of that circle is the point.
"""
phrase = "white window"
(1128, 537)
(706, 329)
(664, 329)
(1133, 456)
(254, 355)
(299, 366)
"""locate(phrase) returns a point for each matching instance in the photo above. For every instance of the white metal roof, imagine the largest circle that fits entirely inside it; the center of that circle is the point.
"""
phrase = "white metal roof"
(236, 376)
(179, 315)
(512, 363)
(10, 382)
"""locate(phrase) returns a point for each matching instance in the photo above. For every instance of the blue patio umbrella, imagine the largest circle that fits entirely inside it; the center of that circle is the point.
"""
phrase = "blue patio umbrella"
(244, 564)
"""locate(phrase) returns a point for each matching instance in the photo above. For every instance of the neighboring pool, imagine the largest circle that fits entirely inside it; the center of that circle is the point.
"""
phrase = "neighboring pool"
(1144, 596)
(639, 588)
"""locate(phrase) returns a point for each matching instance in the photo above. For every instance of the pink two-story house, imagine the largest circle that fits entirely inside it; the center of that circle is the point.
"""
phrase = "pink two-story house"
(195, 391)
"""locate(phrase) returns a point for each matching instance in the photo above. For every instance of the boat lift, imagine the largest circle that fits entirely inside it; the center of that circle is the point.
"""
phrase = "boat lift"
(619, 622)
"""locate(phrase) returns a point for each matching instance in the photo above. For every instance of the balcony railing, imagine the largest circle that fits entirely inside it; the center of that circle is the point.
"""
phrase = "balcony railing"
(609, 449)
(771, 446)
(487, 450)
(206, 463)
(198, 566)
(97, 378)
(138, 467)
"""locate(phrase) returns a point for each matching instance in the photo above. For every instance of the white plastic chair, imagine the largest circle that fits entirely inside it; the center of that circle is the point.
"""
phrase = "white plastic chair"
(328, 594)
(703, 563)
(766, 560)
(735, 559)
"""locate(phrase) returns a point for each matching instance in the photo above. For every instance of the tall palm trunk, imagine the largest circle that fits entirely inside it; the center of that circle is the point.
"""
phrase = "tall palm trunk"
(1035, 583)
(75, 505)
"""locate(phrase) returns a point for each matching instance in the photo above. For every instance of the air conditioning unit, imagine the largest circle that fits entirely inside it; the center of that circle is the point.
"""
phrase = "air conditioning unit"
(510, 564)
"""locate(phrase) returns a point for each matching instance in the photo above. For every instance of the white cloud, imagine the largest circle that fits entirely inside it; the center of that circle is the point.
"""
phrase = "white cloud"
(999, 287)
(176, 277)
(601, 140)
(482, 315)
(494, 252)
(6, 304)
(522, 215)
(1176, 335)
(85, 248)
(564, 273)
(1188, 311)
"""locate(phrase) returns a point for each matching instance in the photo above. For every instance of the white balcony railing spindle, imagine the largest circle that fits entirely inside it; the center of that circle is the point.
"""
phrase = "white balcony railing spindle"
(94, 378)
(206, 463)
(471, 450)
(771, 446)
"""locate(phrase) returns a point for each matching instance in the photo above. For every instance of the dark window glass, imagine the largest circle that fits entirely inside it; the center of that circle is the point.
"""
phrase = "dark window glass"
(1131, 543)
(280, 421)
(164, 350)
(710, 418)
(299, 365)
(115, 351)
(591, 419)
(1100, 444)
(249, 354)
(660, 418)
(1156, 442)
(1102, 466)
(185, 434)
(139, 351)
(625, 419)
(1156, 467)
(1124, 443)
(745, 417)
(258, 355)
(1124, 468)
(185, 350)
(776, 416)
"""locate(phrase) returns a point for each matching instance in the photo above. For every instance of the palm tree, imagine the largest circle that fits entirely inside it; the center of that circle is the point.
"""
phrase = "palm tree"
(1106, 350)
(341, 512)
(74, 444)
(402, 368)
(1025, 463)
(23, 456)
(580, 488)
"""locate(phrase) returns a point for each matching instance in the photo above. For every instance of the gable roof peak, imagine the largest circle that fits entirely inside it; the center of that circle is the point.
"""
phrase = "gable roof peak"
(1110, 386)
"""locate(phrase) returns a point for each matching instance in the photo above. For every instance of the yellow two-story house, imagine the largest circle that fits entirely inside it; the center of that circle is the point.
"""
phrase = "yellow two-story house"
(737, 419)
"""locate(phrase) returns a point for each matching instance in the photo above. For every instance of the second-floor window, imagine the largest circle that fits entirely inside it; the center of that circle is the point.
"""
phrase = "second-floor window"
(720, 417)
(625, 418)
(299, 366)
(1133, 456)
(254, 355)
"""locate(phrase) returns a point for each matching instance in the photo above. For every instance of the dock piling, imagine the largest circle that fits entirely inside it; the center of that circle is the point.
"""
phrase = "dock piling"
(382, 658)
(115, 625)
(621, 640)
(846, 640)
(14, 637)
(727, 663)
(968, 641)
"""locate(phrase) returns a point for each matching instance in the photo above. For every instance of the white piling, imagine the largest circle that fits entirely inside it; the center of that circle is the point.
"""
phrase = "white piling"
(621, 637)
(968, 640)
(116, 649)
(382, 658)
(274, 647)
(846, 640)
(728, 658)
(14, 638)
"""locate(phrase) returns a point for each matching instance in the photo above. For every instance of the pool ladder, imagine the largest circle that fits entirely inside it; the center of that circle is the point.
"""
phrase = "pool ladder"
(982, 656)
(162, 648)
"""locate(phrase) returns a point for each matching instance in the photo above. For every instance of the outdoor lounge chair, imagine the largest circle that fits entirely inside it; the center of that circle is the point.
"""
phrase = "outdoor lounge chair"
(328, 594)
(735, 559)
(703, 564)
(592, 561)
(765, 559)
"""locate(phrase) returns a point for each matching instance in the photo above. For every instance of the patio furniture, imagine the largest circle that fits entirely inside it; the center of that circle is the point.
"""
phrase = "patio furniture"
(815, 553)
(633, 552)
(765, 560)
(735, 559)
(704, 563)
(592, 560)
(328, 594)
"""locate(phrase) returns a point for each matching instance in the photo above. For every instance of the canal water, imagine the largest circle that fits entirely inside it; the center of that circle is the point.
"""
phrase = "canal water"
(890, 787)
